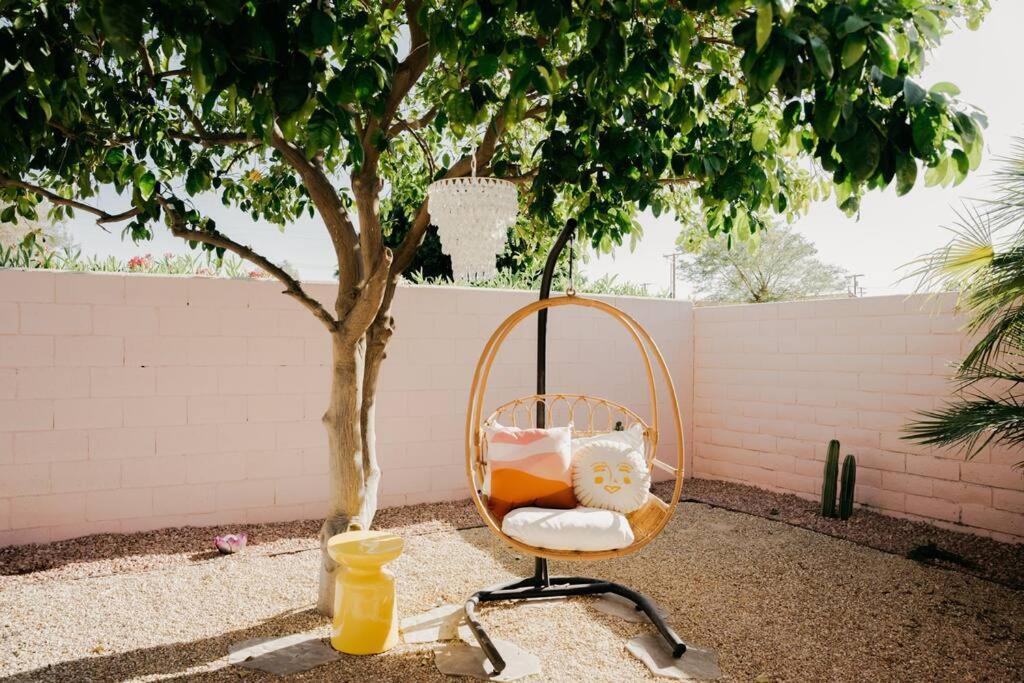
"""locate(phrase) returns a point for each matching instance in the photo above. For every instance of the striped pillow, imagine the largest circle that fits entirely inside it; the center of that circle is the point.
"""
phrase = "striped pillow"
(528, 468)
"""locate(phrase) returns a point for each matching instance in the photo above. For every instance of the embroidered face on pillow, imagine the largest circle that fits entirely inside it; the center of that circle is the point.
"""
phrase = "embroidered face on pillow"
(610, 475)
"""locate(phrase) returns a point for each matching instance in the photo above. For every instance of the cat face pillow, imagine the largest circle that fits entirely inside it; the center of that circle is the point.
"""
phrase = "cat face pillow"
(610, 476)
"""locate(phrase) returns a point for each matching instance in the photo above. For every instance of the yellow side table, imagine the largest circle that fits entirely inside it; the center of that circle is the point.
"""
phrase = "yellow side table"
(365, 608)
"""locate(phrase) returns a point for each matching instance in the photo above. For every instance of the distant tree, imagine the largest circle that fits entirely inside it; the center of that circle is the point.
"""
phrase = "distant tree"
(777, 264)
(48, 234)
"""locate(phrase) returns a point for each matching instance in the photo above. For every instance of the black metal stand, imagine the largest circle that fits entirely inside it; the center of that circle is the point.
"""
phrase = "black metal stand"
(541, 585)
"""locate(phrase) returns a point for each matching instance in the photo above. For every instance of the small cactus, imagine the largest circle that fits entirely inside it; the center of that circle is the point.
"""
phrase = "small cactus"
(828, 485)
(849, 481)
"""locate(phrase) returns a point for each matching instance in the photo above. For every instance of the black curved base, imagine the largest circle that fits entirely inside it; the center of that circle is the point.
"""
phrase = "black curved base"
(542, 586)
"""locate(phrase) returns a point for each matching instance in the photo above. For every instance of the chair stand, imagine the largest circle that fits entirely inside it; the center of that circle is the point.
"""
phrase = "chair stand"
(540, 586)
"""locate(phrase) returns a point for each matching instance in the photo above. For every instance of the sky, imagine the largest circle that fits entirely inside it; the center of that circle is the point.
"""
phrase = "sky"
(889, 232)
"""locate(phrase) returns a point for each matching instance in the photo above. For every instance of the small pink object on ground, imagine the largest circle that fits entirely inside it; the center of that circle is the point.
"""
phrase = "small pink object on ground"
(229, 543)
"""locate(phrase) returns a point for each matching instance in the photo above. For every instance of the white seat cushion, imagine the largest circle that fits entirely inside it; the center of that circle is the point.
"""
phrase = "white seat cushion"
(577, 529)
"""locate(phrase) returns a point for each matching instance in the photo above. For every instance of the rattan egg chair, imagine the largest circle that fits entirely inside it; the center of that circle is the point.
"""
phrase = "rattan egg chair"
(588, 415)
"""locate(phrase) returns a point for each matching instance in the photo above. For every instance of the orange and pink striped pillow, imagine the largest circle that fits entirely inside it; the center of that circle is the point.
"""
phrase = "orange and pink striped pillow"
(528, 468)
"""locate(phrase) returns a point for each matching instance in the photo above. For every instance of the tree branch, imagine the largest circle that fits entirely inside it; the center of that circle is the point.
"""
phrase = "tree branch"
(102, 216)
(339, 227)
(212, 139)
(368, 305)
(411, 68)
(716, 40)
(418, 124)
(292, 286)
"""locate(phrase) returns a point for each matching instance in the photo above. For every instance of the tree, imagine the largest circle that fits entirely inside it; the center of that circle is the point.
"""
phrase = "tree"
(778, 264)
(22, 231)
(346, 110)
(988, 274)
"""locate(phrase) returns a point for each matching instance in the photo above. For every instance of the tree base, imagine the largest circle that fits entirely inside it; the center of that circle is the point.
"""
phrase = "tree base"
(332, 526)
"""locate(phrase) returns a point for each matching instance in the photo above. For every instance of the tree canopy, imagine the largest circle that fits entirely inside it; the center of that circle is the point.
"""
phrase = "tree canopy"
(777, 264)
(597, 108)
(347, 109)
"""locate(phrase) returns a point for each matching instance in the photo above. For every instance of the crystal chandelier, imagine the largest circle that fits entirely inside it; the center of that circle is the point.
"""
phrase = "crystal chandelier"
(472, 216)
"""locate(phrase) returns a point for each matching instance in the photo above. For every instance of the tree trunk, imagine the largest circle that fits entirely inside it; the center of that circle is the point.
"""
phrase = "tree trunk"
(345, 443)
(350, 417)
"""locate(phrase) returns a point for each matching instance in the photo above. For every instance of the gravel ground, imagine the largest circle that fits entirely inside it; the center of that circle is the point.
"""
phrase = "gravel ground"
(777, 602)
(984, 557)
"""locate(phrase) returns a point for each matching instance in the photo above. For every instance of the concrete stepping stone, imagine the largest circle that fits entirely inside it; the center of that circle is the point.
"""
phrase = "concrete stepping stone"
(463, 659)
(282, 656)
(696, 664)
(618, 606)
(440, 623)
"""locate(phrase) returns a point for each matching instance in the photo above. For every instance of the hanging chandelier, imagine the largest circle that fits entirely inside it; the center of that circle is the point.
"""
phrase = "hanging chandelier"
(473, 216)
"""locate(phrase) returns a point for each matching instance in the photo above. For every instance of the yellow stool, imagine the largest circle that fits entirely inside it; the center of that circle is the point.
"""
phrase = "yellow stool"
(365, 609)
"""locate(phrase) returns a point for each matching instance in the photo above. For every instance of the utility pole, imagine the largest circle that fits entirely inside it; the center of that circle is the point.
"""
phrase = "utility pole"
(854, 290)
(672, 272)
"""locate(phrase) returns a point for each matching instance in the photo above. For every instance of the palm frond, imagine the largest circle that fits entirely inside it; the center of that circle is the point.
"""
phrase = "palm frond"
(988, 275)
(953, 266)
(972, 424)
(1003, 336)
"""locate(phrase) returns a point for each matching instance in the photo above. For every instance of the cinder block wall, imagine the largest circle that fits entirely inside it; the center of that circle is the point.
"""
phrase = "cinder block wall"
(138, 402)
(775, 382)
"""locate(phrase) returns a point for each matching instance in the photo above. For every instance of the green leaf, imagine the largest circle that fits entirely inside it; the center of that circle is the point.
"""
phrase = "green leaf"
(974, 152)
(962, 165)
(365, 84)
(146, 184)
(769, 68)
(785, 9)
(945, 88)
(913, 93)
(929, 24)
(470, 18)
(483, 67)
(926, 131)
(322, 130)
(764, 23)
(322, 27)
(885, 54)
(822, 56)
(339, 90)
(122, 23)
(853, 23)
(935, 174)
(906, 174)
(759, 138)
(114, 157)
(854, 48)
(7, 215)
(861, 153)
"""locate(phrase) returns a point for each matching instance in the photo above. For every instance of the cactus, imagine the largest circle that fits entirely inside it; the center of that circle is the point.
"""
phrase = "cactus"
(828, 485)
(849, 481)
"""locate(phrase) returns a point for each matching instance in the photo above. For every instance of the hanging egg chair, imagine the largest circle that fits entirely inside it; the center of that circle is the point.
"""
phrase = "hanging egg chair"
(587, 416)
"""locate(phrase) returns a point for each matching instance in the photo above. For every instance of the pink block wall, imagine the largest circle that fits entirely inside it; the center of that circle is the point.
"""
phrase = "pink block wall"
(775, 382)
(138, 402)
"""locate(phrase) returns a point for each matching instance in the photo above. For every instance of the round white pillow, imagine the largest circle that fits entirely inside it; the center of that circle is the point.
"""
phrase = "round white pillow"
(610, 475)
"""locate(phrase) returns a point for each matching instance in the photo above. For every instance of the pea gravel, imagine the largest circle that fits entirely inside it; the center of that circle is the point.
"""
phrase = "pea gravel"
(775, 601)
